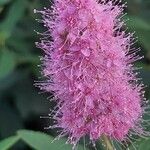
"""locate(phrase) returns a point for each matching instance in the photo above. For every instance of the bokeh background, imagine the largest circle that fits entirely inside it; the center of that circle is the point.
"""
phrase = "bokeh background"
(21, 104)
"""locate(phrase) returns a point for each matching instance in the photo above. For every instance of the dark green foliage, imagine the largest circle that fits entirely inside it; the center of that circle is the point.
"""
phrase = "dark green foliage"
(20, 104)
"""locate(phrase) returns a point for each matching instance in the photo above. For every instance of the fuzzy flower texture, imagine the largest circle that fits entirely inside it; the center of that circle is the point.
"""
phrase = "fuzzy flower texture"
(88, 65)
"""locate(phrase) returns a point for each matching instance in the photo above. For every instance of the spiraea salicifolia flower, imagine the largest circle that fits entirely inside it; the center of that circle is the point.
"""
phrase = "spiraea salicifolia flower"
(88, 66)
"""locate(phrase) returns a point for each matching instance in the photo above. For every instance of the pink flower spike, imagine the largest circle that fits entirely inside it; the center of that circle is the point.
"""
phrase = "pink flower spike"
(88, 66)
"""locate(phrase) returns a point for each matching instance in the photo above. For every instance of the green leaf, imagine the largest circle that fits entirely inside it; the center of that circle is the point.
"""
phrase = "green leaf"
(7, 63)
(137, 23)
(13, 16)
(2, 2)
(145, 74)
(8, 143)
(41, 141)
(143, 144)
(142, 29)
(143, 37)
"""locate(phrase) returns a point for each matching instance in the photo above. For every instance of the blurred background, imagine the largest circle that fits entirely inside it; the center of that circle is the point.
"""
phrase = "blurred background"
(21, 105)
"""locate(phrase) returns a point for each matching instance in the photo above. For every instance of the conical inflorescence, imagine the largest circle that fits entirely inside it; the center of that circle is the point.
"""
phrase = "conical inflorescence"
(88, 65)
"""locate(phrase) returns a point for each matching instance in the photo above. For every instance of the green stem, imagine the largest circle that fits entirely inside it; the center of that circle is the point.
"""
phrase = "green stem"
(106, 141)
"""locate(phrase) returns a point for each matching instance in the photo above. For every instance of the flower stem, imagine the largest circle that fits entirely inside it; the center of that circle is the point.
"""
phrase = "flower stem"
(106, 141)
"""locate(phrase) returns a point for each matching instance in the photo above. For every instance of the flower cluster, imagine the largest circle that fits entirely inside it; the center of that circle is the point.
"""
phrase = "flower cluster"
(88, 65)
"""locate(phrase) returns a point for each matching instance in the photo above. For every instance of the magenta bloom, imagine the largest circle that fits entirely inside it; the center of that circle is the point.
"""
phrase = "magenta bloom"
(87, 64)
